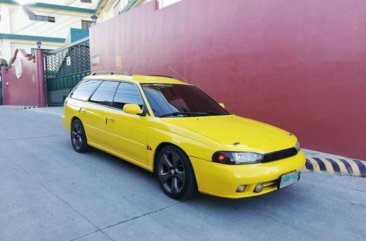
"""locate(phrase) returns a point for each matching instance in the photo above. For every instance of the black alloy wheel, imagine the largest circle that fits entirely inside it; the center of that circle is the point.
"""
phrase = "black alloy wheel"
(175, 173)
(78, 137)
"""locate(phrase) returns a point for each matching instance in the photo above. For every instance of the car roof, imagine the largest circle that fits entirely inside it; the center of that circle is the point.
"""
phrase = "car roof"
(140, 79)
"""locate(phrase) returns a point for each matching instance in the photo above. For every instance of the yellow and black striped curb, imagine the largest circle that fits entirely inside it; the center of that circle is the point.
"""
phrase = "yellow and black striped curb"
(343, 166)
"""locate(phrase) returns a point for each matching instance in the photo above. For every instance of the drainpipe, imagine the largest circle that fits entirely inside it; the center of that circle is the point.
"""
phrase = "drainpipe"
(156, 5)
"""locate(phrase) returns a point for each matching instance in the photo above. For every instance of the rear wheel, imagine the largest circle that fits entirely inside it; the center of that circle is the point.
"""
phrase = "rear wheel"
(175, 173)
(78, 137)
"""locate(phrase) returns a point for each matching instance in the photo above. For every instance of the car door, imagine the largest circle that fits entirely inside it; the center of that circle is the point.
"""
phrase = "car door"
(80, 104)
(129, 131)
(97, 110)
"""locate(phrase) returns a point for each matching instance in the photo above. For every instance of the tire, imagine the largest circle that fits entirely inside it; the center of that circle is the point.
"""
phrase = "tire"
(78, 137)
(175, 173)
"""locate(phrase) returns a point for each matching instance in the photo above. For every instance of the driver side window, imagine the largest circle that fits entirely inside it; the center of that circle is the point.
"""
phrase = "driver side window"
(127, 93)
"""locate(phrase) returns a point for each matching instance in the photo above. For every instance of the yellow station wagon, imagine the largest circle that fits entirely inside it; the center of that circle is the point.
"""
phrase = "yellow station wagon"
(176, 131)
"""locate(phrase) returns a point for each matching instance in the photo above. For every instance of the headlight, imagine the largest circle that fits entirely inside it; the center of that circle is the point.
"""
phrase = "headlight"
(297, 146)
(233, 158)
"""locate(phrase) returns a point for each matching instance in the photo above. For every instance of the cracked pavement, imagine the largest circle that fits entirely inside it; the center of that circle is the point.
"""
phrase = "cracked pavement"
(50, 192)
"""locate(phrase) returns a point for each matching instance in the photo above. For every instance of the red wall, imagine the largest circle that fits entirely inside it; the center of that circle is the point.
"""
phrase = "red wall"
(299, 65)
(29, 89)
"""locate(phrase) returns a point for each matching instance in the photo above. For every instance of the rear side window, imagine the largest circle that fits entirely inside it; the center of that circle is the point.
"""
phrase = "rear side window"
(85, 89)
(127, 93)
(105, 93)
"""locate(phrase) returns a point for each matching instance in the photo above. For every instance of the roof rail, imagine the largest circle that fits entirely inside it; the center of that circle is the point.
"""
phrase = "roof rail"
(158, 75)
(112, 73)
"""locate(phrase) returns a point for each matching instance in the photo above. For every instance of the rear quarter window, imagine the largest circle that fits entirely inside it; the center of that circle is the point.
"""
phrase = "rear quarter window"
(85, 89)
(105, 93)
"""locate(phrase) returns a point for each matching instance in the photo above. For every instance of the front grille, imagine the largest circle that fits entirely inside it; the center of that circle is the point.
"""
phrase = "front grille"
(278, 155)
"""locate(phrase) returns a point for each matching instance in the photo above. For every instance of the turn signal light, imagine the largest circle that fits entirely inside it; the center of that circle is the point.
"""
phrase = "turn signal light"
(220, 157)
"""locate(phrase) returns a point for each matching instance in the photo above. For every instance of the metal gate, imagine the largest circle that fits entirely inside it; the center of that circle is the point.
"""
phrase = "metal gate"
(64, 68)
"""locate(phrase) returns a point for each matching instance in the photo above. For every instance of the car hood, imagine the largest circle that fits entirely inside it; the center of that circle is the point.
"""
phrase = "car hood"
(236, 133)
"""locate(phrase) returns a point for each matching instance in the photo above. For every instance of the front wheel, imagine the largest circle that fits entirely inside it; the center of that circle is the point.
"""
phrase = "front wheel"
(78, 137)
(175, 173)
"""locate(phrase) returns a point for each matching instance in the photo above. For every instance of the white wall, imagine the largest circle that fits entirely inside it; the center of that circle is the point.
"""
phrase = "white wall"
(71, 3)
(20, 23)
(28, 45)
(5, 49)
(15, 21)
(5, 19)
(164, 3)
(110, 9)
(8, 47)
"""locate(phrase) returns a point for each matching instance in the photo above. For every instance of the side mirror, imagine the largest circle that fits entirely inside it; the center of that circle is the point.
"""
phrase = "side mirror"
(222, 105)
(132, 109)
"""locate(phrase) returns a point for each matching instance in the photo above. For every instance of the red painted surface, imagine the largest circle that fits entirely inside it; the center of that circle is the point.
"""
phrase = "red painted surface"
(28, 90)
(299, 65)
(41, 87)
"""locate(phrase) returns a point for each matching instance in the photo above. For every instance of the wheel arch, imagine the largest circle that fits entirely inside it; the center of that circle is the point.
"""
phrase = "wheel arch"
(77, 118)
(160, 147)
(157, 151)
(74, 118)
(190, 189)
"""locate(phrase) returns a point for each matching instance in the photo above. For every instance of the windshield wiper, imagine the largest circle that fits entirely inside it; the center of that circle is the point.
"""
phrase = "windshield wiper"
(210, 113)
(176, 114)
(198, 113)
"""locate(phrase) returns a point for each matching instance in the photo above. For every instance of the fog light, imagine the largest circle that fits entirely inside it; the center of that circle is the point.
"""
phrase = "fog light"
(240, 188)
(258, 187)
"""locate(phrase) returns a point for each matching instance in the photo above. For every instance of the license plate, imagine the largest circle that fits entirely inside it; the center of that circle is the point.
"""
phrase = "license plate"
(289, 179)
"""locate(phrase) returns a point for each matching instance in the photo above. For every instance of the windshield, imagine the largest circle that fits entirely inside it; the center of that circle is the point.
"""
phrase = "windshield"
(169, 100)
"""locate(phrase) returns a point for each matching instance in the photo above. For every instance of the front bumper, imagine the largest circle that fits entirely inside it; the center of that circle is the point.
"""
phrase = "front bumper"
(222, 180)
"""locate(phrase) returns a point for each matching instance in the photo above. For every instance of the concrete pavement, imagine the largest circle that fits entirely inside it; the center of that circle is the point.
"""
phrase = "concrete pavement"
(50, 192)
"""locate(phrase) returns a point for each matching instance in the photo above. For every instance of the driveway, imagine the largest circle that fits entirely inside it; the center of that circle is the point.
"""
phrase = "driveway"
(49, 192)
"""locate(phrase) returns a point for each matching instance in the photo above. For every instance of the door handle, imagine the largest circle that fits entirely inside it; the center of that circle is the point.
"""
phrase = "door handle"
(111, 120)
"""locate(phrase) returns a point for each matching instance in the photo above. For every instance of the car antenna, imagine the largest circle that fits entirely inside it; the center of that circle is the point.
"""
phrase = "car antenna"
(179, 75)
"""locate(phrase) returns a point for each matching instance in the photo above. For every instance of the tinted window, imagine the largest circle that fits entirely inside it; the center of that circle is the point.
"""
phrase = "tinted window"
(127, 93)
(180, 100)
(85, 89)
(105, 92)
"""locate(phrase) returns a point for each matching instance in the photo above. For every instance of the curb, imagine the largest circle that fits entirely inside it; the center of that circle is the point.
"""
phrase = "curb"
(342, 166)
